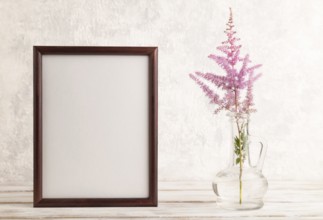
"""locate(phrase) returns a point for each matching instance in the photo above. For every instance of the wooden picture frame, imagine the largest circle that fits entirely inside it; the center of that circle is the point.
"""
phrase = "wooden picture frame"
(95, 126)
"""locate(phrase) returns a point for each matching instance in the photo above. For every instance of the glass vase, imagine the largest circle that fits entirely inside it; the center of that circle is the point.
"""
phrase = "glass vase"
(242, 185)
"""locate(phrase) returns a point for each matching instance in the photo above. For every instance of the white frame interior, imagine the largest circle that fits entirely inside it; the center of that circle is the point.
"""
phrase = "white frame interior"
(95, 121)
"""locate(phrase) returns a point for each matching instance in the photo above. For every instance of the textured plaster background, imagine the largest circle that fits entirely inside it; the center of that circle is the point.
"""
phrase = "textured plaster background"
(285, 36)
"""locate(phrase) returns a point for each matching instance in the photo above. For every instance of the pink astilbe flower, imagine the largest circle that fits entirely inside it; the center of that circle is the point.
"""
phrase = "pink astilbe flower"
(208, 92)
(237, 84)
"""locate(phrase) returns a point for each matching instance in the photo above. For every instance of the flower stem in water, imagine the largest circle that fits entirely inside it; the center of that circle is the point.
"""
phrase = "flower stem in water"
(240, 197)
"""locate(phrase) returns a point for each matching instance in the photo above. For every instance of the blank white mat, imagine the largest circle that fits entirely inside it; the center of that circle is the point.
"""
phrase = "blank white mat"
(95, 126)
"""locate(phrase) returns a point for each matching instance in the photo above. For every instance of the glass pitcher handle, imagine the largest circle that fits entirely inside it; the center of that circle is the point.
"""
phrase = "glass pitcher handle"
(253, 140)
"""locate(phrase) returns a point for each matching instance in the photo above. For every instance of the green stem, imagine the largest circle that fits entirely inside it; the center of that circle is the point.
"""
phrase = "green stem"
(241, 159)
(240, 147)
(240, 181)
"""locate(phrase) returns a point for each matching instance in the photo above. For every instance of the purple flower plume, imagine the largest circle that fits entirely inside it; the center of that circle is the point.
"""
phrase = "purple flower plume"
(237, 84)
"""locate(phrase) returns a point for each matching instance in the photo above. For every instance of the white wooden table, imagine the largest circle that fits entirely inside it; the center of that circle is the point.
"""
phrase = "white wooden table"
(178, 200)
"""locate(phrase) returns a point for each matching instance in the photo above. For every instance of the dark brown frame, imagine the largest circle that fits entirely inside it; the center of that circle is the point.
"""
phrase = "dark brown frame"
(39, 201)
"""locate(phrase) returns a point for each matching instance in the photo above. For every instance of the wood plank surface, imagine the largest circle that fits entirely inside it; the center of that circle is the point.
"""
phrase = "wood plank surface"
(178, 200)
